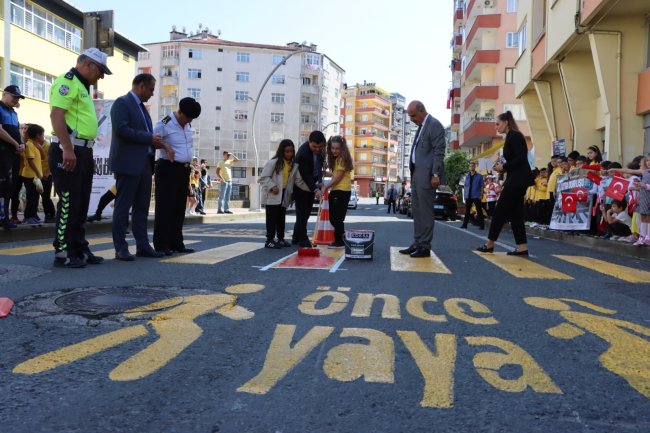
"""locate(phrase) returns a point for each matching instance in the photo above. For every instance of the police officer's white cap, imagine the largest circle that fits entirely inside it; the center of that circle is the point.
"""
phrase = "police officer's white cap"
(99, 58)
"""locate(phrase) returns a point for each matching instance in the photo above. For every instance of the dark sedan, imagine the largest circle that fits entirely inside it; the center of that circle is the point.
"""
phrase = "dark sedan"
(445, 205)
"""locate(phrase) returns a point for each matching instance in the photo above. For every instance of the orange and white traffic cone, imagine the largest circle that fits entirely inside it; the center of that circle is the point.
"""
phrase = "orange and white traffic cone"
(324, 234)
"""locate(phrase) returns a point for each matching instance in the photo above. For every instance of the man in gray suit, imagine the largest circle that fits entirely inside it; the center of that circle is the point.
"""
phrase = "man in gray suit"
(427, 169)
(131, 160)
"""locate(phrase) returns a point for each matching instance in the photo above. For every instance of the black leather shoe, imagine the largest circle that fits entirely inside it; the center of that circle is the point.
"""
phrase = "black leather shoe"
(184, 250)
(92, 259)
(421, 252)
(485, 249)
(409, 250)
(166, 252)
(125, 256)
(464, 226)
(69, 262)
(283, 243)
(149, 253)
(518, 253)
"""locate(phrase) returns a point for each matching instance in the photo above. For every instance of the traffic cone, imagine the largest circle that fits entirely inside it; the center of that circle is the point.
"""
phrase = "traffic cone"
(324, 234)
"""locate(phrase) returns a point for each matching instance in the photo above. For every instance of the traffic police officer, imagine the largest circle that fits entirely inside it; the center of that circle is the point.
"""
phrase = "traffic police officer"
(172, 177)
(11, 146)
(74, 122)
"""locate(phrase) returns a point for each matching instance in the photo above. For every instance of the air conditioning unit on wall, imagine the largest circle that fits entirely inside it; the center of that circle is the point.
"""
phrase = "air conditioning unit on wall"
(488, 3)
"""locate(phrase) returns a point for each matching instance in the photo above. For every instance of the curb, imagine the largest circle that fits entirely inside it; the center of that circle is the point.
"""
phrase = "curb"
(44, 231)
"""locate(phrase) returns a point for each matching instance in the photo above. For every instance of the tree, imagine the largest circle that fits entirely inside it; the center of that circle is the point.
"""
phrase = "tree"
(456, 165)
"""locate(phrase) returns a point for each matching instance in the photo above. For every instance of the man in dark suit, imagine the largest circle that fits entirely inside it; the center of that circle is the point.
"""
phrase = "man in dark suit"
(131, 157)
(427, 169)
(310, 165)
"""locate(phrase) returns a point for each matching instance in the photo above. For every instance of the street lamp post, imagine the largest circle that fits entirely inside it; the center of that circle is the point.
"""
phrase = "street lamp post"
(256, 199)
(329, 124)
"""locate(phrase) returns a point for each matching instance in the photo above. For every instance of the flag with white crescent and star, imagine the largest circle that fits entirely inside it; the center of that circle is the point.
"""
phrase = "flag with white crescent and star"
(617, 188)
(569, 202)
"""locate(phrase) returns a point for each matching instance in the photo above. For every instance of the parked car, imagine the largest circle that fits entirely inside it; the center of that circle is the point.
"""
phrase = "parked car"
(354, 200)
(445, 204)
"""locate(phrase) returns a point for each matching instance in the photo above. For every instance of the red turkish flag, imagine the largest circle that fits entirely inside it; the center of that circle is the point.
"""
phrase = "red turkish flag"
(617, 188)
(582, 194)
(569, 202)
(593, 176)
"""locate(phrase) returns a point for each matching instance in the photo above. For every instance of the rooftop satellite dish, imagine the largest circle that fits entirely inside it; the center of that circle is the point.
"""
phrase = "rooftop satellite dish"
(173, 28)
(184, 29)
(200, 26)
(219, 32)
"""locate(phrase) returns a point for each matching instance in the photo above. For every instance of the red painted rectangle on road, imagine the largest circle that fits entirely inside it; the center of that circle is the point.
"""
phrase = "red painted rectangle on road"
(6, 305)
(310, 262)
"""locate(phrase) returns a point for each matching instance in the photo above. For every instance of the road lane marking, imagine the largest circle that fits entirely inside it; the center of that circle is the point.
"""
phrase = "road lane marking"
(404, 263)
(216, 255)
(109, 253)
(631, 275)
(521, 267)
(42, 248)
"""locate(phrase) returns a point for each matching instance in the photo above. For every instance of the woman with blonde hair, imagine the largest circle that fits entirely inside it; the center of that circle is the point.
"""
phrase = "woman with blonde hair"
(340, 164)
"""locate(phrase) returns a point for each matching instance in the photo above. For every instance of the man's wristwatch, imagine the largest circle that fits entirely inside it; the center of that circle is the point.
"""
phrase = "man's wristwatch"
(434, 175)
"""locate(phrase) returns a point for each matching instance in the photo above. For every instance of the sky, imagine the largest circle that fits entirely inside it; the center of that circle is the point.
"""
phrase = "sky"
(402, 47)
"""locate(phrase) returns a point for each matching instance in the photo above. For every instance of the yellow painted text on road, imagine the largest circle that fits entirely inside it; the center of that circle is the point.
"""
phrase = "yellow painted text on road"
(216, 255)
(404, 263)
(520, 267)
(631, 275)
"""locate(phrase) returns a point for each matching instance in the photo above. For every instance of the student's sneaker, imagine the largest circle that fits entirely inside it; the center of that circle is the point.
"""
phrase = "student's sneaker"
(640, 242)
(272, 244)
(627, 239)
(69, 262)
(646, 242)
(283, 243)
(31, 222)
(614, 238)
(8, 224)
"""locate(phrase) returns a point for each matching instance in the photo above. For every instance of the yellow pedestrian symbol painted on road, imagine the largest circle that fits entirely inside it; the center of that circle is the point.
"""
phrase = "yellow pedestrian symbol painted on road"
(628, 354)
(175, 328)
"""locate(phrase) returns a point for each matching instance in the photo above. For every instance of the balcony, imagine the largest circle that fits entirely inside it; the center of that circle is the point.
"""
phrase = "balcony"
(169, 80)
(308, 108)
(169, 100)
(481, 23)
(380, 111)
(458, 14)
(311, 89)
(478, 93)
(308, 127)
(455, 65)
(455, 119)
(478, 130)
(170, 61)
(457, 43)
(479, 59)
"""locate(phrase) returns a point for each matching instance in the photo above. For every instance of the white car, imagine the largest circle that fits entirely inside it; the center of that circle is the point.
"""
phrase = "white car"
(354, 199)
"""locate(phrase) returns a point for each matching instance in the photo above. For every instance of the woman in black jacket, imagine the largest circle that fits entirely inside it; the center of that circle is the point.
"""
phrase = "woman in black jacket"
(510, 205)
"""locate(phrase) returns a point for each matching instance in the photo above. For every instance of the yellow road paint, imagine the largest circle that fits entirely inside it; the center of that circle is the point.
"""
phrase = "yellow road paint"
(79, 351)
(375, 361)
(415, 307)
(520, 267)
(338, 302)
(239, 289)
(455, 309)
(43, 248)
(631, 275)
(488, 365)
(404, 263)
(363, 306)
(216, 255)
(110, 253)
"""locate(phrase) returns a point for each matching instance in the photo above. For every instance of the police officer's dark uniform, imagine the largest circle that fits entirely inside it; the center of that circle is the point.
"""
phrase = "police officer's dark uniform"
(9, 157)
(172, 179)
(71, 92)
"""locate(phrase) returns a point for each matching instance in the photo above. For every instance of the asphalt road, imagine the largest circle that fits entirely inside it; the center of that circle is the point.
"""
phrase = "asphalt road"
(245, 343)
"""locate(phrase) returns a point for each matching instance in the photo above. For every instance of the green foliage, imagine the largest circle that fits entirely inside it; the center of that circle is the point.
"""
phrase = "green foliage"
(456, 165)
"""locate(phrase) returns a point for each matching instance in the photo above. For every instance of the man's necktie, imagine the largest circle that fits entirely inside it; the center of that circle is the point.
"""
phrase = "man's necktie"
(147, 121)
(415, 144)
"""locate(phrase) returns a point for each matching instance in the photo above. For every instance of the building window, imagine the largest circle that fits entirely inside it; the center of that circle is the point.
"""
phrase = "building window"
(169, 51)
(144, 55)
(125, 57)
(312, 61)
(277, 79)
(510, 75)
(243, 76)
(194, 92)
(241, 95)
(241, 114)
(277, 117)
(277, 98)
(517, 111)
(238, 172)
(522, 38)
(195, 53)
(239, 135)
(304, 99)
(241, 155)
(193, 73)
(278, 59)
(244, 57)
(512, 40)
(42, 23)
(32, 83)
(304, 118)
(512, 6)
(349, 131)
(276, 136)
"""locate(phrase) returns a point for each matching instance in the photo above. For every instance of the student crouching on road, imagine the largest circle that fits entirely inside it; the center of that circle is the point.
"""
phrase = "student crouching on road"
(277, 181)
(339, 161)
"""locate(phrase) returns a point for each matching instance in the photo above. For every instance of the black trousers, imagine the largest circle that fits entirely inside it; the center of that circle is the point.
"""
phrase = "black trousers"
(104, 200)
(338, 204)
(479, 211)
(46, 197)
(6, 175)
(31, 197)
(15, 184)
(171, 194)
(304, 202)
(391, 203)
(275, 221)
(618, 229)
(73, 188)
(510, 207)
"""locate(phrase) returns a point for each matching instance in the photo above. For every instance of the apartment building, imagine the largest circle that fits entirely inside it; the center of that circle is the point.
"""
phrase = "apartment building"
(484, 46)
(372, 131)
(252, 95)
(583, 74)
(399, 134)
(45, 41)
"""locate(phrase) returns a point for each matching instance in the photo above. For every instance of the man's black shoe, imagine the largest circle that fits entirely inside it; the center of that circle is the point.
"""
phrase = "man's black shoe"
(409, 250)
(149, 253)
(69, 262)
(219, 211)
(227, 211)
(295, 241)
(8, 224)
(93, 218)
(166, 252)
(125, 256)
(464, 226)
(202, 213)
(184, 250)
(305, 244)
(92, 259)
(421, 252)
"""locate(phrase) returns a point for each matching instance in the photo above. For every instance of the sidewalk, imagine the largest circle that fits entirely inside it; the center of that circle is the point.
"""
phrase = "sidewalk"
(43, 231)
